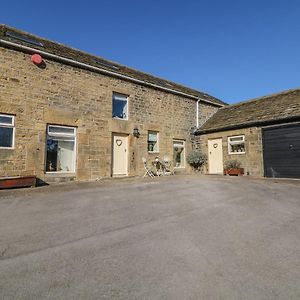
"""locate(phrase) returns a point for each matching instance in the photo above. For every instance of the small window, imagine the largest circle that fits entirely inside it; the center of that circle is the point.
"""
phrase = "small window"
(61, 149)
(120, 106)
(106, 64)
(153, 141)
(179, 153)
(23, 38)
(7, 131)
(236, 144)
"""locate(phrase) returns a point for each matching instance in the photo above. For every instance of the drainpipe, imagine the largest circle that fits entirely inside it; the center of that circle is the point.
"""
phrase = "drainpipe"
(100, 70)
(197, 113)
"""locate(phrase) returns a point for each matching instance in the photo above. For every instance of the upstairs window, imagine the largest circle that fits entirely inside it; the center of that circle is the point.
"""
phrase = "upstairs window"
(236, 144)
(120, 106)
(61, 149)
(153, 141)
(7, 131)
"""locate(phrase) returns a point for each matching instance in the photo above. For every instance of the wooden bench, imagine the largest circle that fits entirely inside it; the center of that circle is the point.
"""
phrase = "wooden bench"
(18, 181)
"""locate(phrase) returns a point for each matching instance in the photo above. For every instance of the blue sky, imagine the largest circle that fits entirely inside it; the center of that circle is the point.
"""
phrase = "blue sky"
(234, 50)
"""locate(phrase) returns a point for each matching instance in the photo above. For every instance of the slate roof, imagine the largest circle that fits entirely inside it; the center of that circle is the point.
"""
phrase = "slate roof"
(55, 48)
(271, 109)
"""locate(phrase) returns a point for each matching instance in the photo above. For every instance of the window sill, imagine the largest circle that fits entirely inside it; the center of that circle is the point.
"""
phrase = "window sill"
(121, 119)
(7, 148)
(153, 152)
(234, 153)
(60, 174)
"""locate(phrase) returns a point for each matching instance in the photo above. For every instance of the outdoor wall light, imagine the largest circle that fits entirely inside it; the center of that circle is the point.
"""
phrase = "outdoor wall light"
(136, 132)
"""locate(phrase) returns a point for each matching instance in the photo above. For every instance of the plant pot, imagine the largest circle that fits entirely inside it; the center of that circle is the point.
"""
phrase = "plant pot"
(234, 172)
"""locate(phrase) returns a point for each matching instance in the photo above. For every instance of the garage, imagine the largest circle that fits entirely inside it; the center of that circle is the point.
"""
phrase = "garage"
(281, 150)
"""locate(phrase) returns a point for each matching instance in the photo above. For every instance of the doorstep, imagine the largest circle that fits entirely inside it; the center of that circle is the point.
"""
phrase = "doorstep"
(59, 177)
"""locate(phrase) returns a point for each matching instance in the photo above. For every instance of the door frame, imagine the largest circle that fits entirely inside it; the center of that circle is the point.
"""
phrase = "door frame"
(112, 154)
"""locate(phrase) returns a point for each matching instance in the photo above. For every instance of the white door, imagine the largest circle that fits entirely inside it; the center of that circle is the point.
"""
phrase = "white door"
(120, 155)
(215, 156)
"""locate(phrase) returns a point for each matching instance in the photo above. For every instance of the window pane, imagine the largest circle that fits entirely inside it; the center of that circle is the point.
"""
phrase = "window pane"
(235, 148)
(120, 97)
(178, 154)
(152, 137)
(60, 156)
(51, 162)
(236, 138)
(6, 137)
(152, 141)
(6, 120)
(65, 156)
(119, 109)
(60, 130)
(178, 157)
(152, 146)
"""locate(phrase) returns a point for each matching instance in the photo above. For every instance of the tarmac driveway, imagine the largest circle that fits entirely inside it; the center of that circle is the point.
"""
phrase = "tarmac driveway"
(182, 237)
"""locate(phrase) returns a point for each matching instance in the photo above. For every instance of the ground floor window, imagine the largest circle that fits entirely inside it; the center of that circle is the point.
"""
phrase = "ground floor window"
(179, 153)
(153, 141)
(236, 144)
(61, 149)
(7, 131)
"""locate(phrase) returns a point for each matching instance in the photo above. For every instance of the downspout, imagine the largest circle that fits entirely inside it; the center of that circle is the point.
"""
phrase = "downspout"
(197, 113)
(103, 71)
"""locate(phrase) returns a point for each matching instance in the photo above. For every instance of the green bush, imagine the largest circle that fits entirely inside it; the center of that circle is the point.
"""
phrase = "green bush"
(196, 159)
(232, 164)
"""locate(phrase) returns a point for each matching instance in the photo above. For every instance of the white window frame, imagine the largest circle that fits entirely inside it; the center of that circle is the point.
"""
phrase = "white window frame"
(12, 125)
(157, 141)
(61, 134)
(180, 146)
(119, 97)
(235, 143)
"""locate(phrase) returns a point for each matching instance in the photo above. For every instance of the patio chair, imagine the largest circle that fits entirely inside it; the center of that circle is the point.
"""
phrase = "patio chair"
(158, 167)
(168, 170)
(149, 172)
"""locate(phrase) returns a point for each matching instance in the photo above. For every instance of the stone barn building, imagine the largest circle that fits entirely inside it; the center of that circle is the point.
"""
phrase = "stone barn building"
(68, 115)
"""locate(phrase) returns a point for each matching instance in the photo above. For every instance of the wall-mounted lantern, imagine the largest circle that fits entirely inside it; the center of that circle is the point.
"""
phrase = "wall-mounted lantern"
(136, 132)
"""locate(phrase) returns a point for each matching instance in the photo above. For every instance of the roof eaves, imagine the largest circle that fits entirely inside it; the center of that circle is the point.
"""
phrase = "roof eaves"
(246, 102)
(246, 125)
(196, 95)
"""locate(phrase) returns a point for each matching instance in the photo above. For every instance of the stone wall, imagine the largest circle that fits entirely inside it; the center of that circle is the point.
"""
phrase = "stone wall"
(251, 160)
(65, 95)
(205, 111)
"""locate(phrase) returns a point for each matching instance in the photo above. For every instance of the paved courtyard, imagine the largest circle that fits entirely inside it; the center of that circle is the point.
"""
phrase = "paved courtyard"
(182, 237)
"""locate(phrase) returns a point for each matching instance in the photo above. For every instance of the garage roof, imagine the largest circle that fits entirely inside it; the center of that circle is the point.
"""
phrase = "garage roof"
(40, 44)
(276, 108)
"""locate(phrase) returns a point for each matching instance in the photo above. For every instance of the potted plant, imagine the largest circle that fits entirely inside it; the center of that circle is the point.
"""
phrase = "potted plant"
(196, 159)
(233, 168)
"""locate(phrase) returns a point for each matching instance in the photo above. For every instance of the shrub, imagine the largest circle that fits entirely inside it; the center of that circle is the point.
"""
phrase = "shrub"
(196, 159)
(232, 164)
